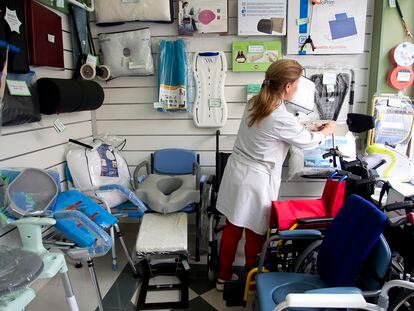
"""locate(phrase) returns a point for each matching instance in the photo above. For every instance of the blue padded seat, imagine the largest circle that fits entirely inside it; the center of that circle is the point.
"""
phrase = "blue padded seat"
(273, 290)
(353, 238)
(173, 161)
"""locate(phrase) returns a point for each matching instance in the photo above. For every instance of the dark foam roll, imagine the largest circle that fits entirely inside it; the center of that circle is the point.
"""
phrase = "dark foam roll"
(62, 95)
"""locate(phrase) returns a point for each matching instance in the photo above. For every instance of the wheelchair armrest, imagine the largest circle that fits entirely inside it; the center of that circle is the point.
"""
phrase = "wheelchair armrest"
(197, 172)
(287, 235)
(315, 221)
(323, 300)
(36, 221)
(127, 193)
(298, 234)
(136, 172)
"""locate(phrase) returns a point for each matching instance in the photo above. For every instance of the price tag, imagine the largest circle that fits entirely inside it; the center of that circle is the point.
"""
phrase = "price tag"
(51, 38)
(329, 78)
(302, 21)
(92, 60)
(403, 76)
(18, 88)
(60, 3)
(214, 102)
(59, 126)
(256, 48)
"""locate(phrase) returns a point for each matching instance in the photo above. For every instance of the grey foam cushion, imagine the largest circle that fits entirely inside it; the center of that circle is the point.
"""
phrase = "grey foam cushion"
(168, 194)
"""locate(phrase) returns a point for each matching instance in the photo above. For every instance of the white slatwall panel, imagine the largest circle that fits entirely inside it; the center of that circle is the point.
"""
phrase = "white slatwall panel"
(38, 144)
(128, 109)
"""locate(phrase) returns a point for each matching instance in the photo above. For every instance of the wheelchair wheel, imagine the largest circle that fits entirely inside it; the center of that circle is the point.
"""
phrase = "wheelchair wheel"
(306, 261)
(404, 301)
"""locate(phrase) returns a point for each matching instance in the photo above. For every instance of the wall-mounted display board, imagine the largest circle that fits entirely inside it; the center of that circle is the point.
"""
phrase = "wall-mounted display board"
(202, 16)
(334, 27)
(261, 17)
(255, 56)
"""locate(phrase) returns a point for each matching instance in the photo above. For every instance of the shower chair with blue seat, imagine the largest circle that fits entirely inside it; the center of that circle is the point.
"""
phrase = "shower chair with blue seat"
(352, 262)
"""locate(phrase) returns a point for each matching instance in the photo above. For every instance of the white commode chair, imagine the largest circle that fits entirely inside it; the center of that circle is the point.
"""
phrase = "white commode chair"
(172, 189)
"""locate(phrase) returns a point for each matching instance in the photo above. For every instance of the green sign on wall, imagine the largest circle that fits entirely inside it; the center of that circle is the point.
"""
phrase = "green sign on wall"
(255, 56)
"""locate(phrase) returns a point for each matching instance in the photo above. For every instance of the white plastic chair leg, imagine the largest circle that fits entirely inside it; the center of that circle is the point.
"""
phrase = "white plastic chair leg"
(70, 296)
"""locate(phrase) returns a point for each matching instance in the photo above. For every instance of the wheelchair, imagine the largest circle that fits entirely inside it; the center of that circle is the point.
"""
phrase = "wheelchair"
(353, 261)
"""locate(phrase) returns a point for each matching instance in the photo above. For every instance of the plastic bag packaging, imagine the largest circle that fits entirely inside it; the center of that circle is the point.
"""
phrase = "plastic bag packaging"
(32, 192)
(160, 234)
(109, 11)
(127, 53)
(83, 231)
(99, 166)
(18, 269)
(112, 140)
(334, 91)
(394, 120)
(307, 162)
(21, 109)
(75, 200)
(172, 77)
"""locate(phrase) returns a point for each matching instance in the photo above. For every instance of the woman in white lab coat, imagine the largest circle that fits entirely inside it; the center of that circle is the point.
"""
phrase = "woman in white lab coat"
(252, 176)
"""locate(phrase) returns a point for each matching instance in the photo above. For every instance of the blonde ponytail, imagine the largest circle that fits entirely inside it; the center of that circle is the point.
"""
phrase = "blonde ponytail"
(270, 97)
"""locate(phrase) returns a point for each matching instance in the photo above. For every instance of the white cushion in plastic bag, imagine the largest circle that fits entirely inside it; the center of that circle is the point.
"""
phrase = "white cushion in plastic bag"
(85, 167)
(127, 53)
(161, 233)
(166, 194)
(113, 11)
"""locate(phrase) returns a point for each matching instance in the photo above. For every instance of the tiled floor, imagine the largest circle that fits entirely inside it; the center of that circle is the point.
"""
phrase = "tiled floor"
(120, 289)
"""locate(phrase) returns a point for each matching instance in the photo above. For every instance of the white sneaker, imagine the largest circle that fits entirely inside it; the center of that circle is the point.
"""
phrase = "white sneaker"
(220, 282)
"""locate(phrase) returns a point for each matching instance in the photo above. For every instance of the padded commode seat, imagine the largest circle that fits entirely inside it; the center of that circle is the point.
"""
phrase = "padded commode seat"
(162, 234)
(167, 194)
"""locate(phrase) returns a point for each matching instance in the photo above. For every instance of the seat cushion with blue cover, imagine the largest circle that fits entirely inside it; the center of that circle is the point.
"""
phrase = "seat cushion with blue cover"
(353, 235)
(172, 186)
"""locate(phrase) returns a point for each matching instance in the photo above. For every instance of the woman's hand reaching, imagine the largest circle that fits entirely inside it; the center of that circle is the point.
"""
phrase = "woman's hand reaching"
(327, 128)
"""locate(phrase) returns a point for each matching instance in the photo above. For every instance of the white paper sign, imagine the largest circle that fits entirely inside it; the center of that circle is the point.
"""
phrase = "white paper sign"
(261, 17)
(12, 20)
(51, 38)
(335, 26)
(18, 88)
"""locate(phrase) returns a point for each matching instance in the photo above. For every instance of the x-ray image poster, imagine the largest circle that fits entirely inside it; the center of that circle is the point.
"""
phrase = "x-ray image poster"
(202, 16)
(334, 26)
(261, 17)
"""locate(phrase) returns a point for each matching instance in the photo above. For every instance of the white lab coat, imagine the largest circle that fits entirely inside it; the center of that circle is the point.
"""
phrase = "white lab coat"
(252, 176)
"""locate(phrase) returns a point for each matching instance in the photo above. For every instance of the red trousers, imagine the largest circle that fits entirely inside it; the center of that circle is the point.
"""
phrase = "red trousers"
(228, 248)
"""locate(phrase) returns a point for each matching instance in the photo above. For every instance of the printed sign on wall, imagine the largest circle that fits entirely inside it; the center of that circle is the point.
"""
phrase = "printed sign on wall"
(202, 16)
(261, 17)
(331, 27)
